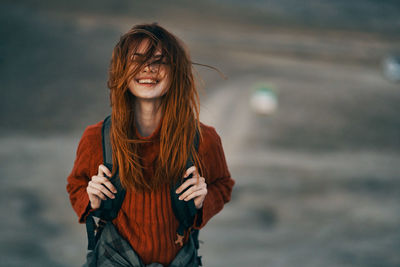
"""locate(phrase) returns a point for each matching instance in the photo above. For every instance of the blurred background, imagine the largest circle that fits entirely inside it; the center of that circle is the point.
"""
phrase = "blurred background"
(309, 119)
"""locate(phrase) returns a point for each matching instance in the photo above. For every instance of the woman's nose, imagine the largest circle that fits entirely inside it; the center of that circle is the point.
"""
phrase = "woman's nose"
(149, 68)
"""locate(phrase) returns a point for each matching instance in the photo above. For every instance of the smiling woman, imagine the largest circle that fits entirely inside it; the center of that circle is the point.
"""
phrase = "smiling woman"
(163, 157)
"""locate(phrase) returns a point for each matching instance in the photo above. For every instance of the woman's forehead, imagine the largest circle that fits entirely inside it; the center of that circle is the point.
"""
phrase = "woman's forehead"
(144, 46)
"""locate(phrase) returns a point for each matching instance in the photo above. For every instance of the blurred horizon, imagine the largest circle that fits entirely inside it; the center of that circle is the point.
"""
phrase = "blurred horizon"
(43, 42)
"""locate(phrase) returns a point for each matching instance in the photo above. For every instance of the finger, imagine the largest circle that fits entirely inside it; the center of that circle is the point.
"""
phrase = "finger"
(188, 192)
(196, 194)
(102, 188)
(192, 189)
(96, 192)
(191, 170)
(103, 170)
(188, 182)
(199, 201)
(105, 182)
(199, 181)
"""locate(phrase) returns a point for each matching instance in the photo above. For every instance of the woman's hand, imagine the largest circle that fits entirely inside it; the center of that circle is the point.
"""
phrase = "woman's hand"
(100, 187)
(198, 191)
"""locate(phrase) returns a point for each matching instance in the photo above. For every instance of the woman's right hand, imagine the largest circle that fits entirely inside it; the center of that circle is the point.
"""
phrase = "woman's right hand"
(99, 187)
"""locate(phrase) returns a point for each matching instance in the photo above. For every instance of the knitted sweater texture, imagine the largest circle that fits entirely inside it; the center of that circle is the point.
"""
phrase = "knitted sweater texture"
(146, 219)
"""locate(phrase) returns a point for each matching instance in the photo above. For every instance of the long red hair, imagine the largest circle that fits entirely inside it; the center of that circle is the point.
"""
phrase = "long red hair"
(180, 109)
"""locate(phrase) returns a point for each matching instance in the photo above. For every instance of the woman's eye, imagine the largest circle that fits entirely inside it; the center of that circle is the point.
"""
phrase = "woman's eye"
(141, 60)
(138, 60)
(158, 61)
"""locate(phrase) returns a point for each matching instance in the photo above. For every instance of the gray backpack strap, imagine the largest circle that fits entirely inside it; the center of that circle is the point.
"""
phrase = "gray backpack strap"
(185, 211)
(107, 149)
(110, 207)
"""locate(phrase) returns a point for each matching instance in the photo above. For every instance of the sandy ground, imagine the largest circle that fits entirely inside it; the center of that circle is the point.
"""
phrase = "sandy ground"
(317, 182)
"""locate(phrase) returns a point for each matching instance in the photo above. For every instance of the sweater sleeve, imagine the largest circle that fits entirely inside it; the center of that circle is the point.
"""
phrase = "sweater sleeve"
(80, 175)
(218, 178)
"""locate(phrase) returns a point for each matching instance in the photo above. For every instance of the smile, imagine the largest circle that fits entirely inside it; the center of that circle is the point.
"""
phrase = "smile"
(147, 81)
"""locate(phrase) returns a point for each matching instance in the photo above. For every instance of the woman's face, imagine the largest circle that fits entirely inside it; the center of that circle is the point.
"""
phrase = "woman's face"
(152, 81)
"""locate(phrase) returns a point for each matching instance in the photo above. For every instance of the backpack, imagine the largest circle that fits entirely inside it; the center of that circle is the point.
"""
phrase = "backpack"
(184, 211)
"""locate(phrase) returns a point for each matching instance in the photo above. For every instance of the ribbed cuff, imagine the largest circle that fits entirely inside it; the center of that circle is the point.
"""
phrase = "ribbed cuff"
(86, 208)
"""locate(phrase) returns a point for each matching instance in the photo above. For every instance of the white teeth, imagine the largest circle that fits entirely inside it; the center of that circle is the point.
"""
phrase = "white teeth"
(147, 81)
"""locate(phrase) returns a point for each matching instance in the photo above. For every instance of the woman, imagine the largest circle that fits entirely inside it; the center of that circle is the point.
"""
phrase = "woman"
(155, 113)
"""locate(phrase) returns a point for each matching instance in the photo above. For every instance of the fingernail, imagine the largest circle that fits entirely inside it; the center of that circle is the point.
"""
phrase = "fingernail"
(180, 198)
(113, 196)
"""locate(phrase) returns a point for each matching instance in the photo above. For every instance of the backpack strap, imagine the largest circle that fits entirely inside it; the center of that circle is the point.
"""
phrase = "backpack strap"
(109, 208)
(107, 149)
(185, 211)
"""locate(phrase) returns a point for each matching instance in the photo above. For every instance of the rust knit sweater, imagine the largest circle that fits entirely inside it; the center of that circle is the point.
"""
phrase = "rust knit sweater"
(146, 220)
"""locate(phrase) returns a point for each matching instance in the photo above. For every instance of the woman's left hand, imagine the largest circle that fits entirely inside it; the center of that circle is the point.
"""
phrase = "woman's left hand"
(198, 191)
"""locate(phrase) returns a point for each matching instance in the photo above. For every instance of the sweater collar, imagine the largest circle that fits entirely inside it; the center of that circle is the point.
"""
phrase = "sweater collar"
(154, 135)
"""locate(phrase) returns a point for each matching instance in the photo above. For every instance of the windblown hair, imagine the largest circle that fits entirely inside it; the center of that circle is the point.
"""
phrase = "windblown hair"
(180, 109)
